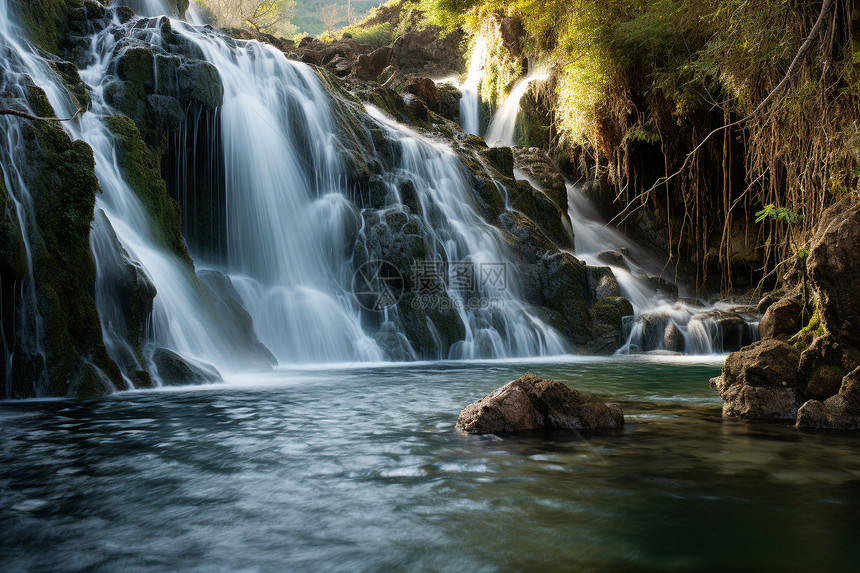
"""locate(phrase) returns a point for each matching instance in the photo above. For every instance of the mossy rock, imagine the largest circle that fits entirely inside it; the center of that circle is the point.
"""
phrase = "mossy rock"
(143, 174)
(502, 160)
(46, 21)
(60, 177)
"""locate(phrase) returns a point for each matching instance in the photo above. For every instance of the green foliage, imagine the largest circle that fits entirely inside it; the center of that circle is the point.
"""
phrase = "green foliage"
(377, 35)
(775, 213)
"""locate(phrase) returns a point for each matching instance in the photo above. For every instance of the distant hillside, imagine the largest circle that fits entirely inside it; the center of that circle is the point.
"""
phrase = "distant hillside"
(307, 18)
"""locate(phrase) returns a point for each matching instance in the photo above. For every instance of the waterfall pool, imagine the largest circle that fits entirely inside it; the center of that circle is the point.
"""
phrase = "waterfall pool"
(360, 468)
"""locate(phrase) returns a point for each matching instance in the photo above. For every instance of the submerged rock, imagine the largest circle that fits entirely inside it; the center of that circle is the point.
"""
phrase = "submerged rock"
(760, 381)
(174, 370)
(531, 403)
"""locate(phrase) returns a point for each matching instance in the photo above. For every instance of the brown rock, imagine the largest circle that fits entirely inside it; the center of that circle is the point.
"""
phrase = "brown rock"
(822, 367)
(839, 412)
(428, 52)
(531, 403)
(760, 381)
(513, 32)
(782, 319)
(673, 338)
(369, 66)
(425, 90)
(835, 270)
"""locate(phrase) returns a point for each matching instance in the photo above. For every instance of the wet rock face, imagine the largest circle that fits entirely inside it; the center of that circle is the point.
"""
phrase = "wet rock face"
(449, 102)
(70, 358)
(609, 314)
(835, 270)
(731, 331)
(513, 33)
(760, 381)
(531, 403)
(823, 365)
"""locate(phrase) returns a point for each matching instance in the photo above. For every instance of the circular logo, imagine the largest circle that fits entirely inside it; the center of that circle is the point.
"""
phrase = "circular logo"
(378, 285)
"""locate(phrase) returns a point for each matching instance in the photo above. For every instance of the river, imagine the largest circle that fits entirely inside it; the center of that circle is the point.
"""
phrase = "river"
(354, 468)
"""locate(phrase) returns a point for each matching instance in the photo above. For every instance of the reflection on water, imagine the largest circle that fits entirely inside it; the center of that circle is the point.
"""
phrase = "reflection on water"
(361, 469)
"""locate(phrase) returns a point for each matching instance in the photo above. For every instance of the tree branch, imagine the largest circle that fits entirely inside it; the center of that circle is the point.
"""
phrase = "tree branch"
(26, 115)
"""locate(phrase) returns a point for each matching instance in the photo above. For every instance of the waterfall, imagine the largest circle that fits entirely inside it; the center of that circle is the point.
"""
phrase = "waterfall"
(469, 104)
(502, 130)
(292, 224)
(457, 233)
(295, 228)
(662, 320)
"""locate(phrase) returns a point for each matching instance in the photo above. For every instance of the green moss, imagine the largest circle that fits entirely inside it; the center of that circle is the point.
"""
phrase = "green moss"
(610, 310)
(142, 172)
(376, 35)
(502, 159)
(46, 21)
(62, 182)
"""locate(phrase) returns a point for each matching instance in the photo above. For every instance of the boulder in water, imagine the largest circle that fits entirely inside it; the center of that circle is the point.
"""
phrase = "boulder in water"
(760, 381)
(602, 283)
(673, 338)
(174, 370)
(531, 403)
(609, 314)
(823, 365)
(613, 258)
(731, 331)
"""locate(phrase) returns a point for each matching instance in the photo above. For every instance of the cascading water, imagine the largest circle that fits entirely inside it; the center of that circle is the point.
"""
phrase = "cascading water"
(456, 233)
(502, 130)
(469, 104)
(183, 318)
(662, 321)
(286, 217)
(292, 228)
(149, 7)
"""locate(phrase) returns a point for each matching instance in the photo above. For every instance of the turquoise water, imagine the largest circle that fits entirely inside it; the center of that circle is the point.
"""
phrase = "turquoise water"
(360, 468)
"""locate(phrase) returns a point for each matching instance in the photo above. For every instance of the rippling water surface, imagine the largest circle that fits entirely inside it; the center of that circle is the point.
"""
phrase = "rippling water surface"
(361, 469)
